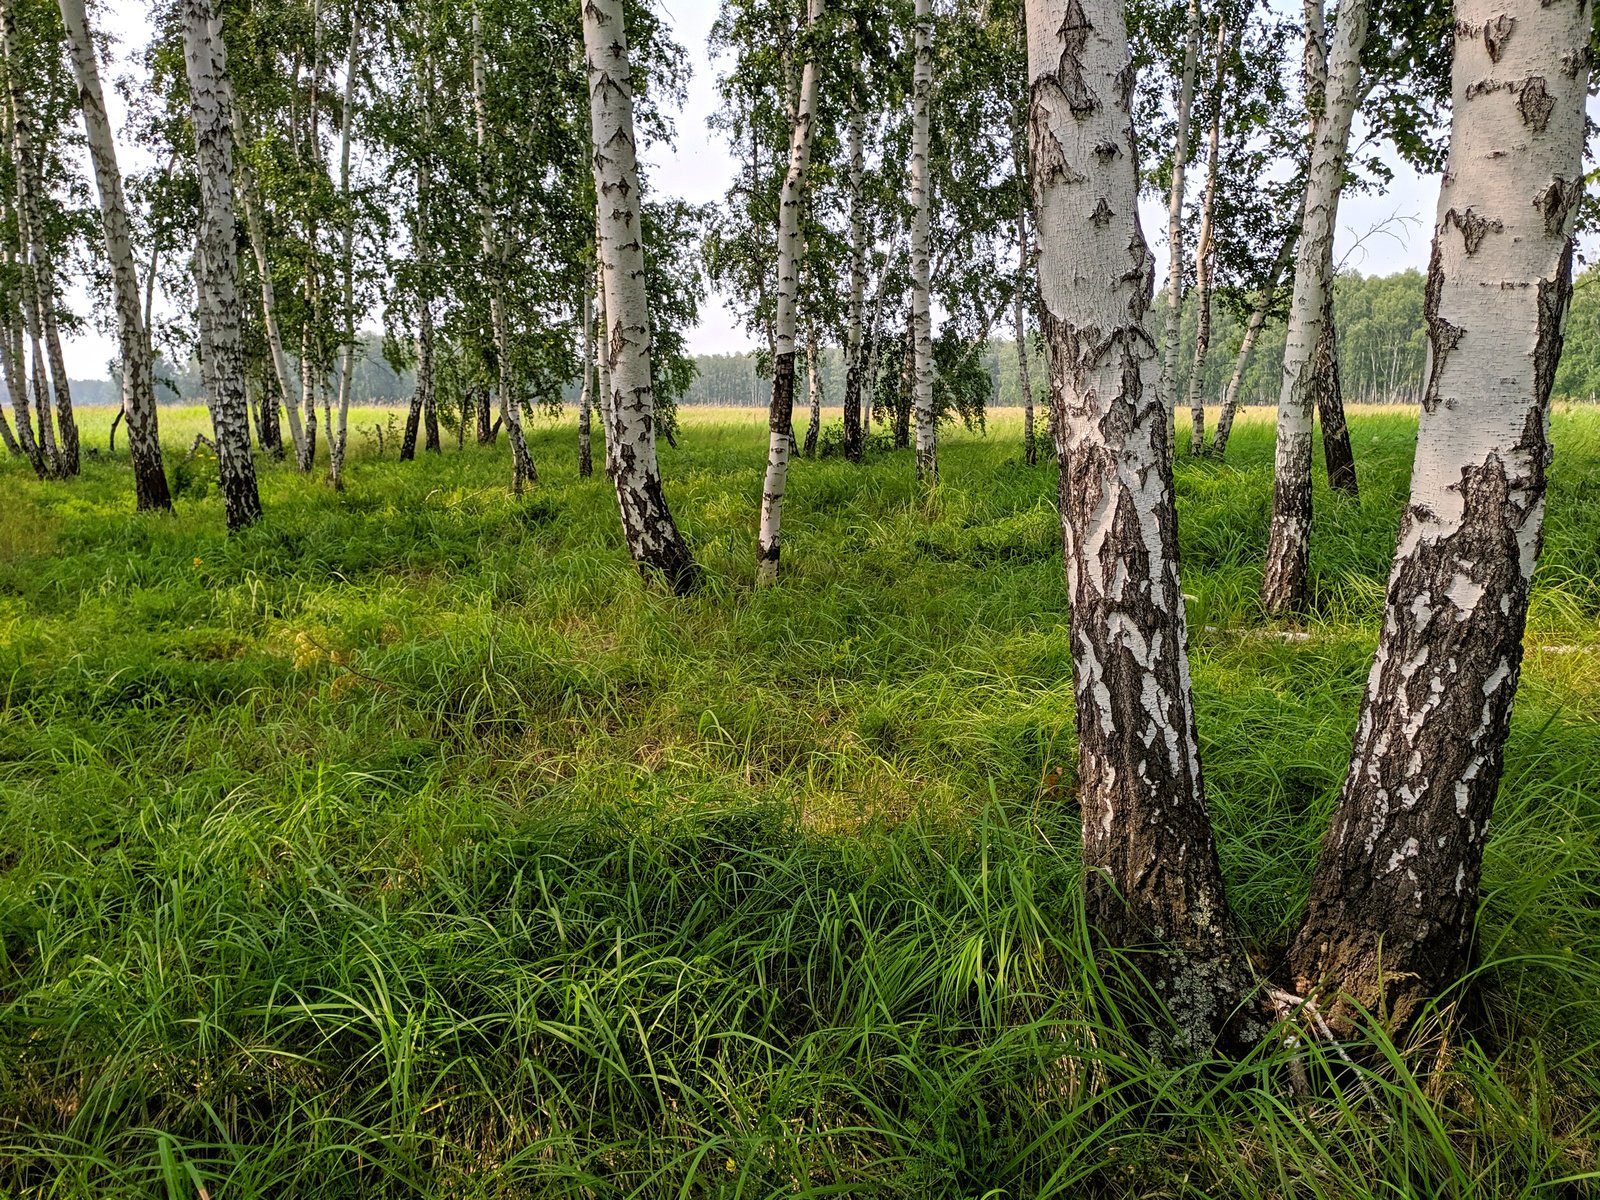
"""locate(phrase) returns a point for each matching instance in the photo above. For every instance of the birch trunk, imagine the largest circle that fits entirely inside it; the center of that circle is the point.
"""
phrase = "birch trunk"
(41, 404)
(781, 413)
(269, 300)
(813, 393)
(138, 382)
(38, 277)
(629, 411)
(1283, 588)
(855, 138)
(1152, 876)
(347, 355)
(222, 361)
(1204, 254)
(1389, 921)
(586, 392)
(921, 215)
(602, 363)
(1252, 330)
(311, 363)
(1168, 383)
(17, 389)
(1337, 456)
(494, 257)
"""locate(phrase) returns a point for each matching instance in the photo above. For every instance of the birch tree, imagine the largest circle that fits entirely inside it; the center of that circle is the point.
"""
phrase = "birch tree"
(1336, 87)
(347, 352)
(1205, 248)
(1390, 916)
(780, 415)
(921, 218)
(1175, 192)
(138, 382)
(629, 409)
(1151, 870)
(217, 269)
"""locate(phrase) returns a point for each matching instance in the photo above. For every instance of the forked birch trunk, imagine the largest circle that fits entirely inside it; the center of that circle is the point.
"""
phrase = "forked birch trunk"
(1152, 876)
(1337, 455)
(629, 410)
(138, 383)
(222, 359)
(780, 417)
(921, 218)
(1389, 921)
(1284, 583)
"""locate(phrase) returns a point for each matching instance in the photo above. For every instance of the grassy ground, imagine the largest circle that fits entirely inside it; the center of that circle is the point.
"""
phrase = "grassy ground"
(407, 845)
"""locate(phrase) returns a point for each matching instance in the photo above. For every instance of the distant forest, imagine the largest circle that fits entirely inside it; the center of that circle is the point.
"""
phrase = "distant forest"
(1382, 348)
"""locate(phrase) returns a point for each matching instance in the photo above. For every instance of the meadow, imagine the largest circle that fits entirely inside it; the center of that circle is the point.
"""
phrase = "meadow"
(407, 844)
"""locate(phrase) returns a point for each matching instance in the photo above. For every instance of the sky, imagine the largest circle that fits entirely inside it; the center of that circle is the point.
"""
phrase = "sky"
(1377, 234)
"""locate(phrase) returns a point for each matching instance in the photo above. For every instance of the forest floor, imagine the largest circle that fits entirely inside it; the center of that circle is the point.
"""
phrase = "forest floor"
(407, 844)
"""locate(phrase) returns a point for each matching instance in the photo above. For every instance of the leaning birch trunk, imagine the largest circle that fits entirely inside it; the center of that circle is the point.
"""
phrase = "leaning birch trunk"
(586, 392)
(1283, 587)
(813, 393)
(494, 258)
(855, 138)
(210, 104)
(921, 206)
(780, 417)
(1152, 876)
(269, 300)
(1252, 330)
(1168, 385)
(653, 537)
(41, 404)
(1390, 917)
(1204, 253)
(38, 276)
(138, 383)
(347, 355)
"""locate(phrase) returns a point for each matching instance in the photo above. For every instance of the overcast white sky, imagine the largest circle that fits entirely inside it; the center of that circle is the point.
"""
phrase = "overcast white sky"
(699, 167)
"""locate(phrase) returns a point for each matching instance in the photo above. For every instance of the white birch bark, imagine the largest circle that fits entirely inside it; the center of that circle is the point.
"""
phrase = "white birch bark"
(1150, 860)
(1204, 251)
(38, 274)
(781, 414)
(653, 537)
(494, 258)
(138, 382)
(17, 389)
(269, 300)
(855, 138)
(921, 217)
(222, 359)
(347, 354)
(1390, 917)
(1168, 385)
(1283, 586)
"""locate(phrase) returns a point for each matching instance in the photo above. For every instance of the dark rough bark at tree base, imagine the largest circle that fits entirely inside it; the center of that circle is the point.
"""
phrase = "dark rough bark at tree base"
(486, 428)
(1336, 452)
(1282, 589)
(852, 414)
(408, 442)
(780, 421)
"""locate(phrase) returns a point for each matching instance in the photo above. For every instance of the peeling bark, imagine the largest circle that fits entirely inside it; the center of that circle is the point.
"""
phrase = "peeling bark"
(780, 417)
(1152, 876)
(1389, 920)
(222, 360)
(629, 410)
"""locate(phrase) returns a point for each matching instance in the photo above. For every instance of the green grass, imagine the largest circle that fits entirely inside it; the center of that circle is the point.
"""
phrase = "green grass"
(408, 845)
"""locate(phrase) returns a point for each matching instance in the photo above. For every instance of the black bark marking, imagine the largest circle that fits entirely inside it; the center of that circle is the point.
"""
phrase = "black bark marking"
(1074, 35)
(1553, 297)
(1496, 34)
(1556, 203)
(1049, 159)
(1474, 227)
(1106, 152)
(1534, 102)
(1443, 337)
(1102, 214)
